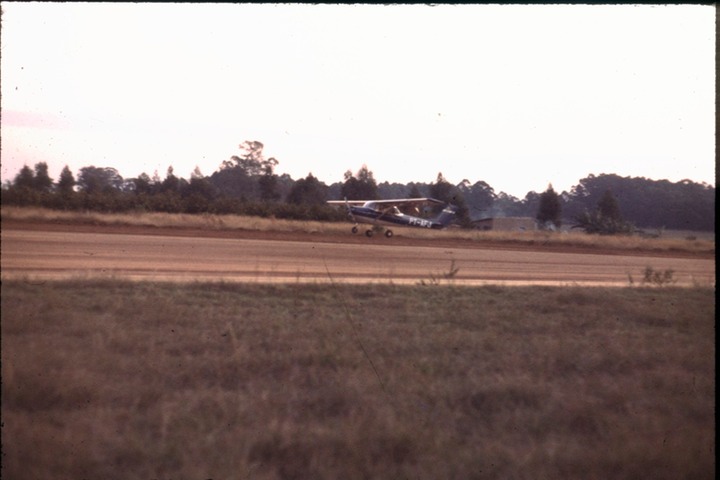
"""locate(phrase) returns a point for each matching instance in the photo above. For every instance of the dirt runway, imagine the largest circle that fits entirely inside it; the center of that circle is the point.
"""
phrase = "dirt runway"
(48, 255)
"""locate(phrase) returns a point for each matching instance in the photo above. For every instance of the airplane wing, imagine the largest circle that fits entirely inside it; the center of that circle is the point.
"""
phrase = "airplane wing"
(347, 202)
(395, 202)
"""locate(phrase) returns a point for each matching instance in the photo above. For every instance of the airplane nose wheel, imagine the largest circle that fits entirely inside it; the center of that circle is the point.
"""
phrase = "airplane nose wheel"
(388, 233)
(355, 229)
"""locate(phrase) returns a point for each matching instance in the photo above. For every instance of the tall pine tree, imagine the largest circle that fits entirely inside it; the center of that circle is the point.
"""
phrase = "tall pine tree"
(549, 210)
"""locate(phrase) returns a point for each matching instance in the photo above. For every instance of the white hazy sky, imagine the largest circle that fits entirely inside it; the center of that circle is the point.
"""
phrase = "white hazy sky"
(516, 96)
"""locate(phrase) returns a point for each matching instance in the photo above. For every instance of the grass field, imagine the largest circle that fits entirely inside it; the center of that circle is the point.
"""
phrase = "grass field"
(669, 241)
(120, 380)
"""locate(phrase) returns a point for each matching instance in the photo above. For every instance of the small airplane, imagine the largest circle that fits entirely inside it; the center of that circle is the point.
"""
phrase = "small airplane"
(386, 213)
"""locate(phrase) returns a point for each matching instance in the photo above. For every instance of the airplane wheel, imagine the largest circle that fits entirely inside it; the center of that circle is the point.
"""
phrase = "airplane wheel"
(369, 233)
(388, 233)
(354, 230)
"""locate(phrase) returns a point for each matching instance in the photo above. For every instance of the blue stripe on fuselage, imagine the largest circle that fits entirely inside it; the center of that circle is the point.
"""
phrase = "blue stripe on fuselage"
(369, 215)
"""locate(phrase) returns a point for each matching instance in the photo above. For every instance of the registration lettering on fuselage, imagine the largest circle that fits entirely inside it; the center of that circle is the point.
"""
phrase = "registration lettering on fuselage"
(420, 222)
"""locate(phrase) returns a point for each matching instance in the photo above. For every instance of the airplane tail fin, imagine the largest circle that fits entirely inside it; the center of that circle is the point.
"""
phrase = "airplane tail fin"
(349, 210)
(446, 216)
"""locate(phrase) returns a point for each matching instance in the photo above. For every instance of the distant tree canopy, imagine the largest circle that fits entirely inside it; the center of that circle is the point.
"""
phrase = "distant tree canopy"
(645, 203)
(66, 183)
(247, 184)
(361, 186)
(38, 180)
(414, 191)
(308, 191)
(252, 162)
(608, 206)
(549, 209)
(171, 182)
(43, 182)
(248, 176)
(605, 219)
(449, 193)
(25, 179)
(480, 196)
(442, 189)
(99, 180)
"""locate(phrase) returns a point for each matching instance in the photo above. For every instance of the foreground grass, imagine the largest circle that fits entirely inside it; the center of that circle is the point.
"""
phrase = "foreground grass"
(141, 380)
(689, 242)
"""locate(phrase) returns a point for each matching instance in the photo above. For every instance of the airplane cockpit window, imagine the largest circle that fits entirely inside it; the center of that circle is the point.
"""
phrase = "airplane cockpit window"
(396, 211)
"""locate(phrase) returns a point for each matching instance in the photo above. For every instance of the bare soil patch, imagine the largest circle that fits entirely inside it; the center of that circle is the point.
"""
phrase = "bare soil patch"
(188, 255)
(345, 238)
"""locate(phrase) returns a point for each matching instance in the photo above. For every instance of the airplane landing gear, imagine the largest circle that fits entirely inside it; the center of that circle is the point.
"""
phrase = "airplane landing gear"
(370, 232)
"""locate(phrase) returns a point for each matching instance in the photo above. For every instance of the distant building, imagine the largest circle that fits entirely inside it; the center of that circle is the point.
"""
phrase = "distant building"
(506, 224)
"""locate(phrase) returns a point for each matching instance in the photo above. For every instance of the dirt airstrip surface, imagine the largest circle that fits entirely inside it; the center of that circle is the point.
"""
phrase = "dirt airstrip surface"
(45, 252)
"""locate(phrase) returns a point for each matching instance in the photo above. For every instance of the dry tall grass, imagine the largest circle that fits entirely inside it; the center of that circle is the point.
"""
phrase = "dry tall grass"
(687, 242)
(166, 220)
(121, 380)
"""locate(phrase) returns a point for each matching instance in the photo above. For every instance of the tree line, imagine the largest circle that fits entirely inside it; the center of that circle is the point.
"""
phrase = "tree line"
(247, 184)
